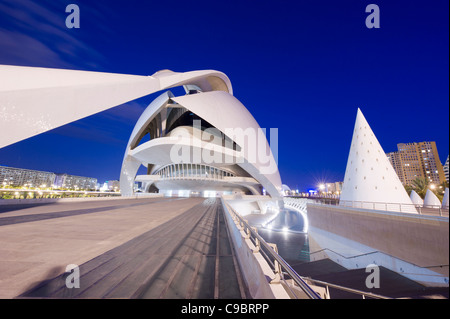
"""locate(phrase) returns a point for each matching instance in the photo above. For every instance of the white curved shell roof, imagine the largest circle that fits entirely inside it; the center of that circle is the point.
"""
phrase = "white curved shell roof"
(222, 111)
(227, 113)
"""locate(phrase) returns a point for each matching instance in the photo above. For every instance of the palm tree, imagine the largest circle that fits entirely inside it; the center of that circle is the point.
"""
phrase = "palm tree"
(440, 190)
(408, 189)
(420, 185)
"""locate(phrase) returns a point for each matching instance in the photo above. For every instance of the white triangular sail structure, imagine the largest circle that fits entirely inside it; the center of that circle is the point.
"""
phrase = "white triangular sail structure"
(370, 180)
(36, 100)
(445, 201)
(431, 200)
(415, 198)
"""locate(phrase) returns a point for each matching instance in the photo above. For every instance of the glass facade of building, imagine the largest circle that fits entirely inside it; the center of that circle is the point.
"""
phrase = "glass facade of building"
(192, 171)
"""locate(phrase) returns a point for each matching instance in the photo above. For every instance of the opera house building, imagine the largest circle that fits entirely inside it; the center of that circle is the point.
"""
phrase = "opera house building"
(203, 143)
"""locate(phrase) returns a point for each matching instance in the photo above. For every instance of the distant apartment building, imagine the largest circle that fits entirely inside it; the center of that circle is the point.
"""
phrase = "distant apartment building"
(113, 186)
(67, 181)
(446, 170)
(413, 160)
(19, 177)
(333, 188)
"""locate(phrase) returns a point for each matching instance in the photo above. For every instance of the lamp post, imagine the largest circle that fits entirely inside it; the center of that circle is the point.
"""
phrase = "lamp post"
(322, 188)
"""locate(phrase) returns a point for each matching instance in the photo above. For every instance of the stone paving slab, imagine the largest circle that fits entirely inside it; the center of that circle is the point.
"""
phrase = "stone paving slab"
(39, 249)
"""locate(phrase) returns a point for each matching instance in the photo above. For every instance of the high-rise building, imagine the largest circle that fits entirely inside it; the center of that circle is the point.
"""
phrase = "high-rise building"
(396, 161)
(413, 160)
(446, 170)
(18, 177)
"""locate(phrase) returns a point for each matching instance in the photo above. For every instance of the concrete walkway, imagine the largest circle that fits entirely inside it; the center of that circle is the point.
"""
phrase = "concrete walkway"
(38, 242)
(188, 257)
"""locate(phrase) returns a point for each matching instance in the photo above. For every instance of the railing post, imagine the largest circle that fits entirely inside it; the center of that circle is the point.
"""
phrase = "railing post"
(277, 266)
(247, 233)
(257, 242)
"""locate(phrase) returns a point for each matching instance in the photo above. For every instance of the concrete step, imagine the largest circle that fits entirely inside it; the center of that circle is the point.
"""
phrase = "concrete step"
(316, 268)
(392, 284)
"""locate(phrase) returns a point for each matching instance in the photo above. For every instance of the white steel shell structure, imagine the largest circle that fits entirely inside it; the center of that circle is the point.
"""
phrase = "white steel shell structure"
(179, 124)
(36, 100)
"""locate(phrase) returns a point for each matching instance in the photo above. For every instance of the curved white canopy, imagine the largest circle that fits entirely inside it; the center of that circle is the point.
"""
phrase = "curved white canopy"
(36, 100)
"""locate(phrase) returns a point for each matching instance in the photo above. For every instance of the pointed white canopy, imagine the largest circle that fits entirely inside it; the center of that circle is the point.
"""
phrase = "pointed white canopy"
(36, 100)
(370, 180)
(445, 203)
(416, 199)
(431, 200)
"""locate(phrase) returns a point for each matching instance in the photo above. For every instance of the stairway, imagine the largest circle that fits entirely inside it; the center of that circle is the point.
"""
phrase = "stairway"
(392, 284)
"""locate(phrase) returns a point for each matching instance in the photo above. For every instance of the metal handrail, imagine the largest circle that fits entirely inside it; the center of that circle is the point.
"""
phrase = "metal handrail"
(273, 254)
(380, 205)
(280, 262)
(375, 252)
(351, 290)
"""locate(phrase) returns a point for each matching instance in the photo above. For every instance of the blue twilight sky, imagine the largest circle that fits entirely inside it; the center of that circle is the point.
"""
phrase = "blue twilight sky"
(302, 66)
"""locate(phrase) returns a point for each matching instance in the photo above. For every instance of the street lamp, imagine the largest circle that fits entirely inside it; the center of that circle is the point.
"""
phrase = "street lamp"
(321, 188)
